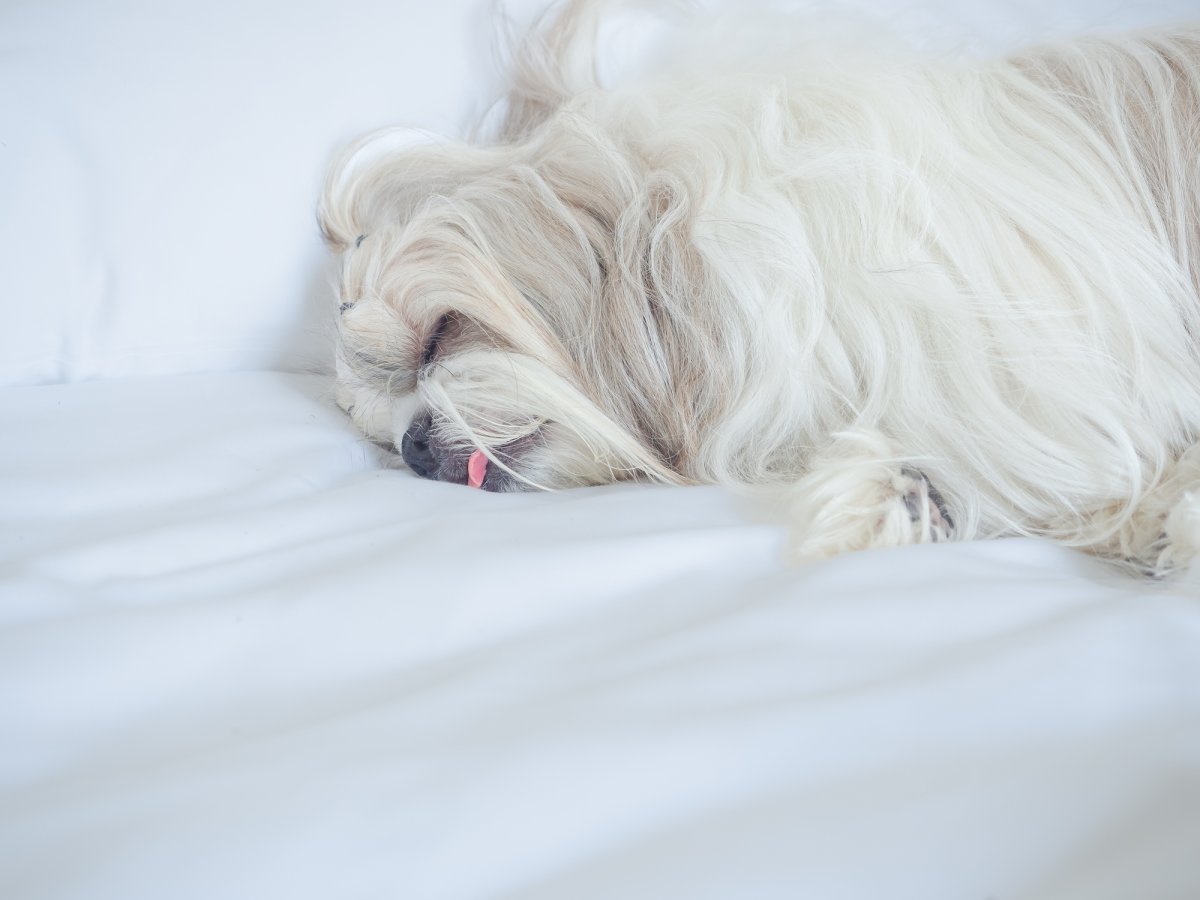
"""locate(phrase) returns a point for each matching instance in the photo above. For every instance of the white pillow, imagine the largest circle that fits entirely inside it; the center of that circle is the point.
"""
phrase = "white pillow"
(160, 165)
(160, 162)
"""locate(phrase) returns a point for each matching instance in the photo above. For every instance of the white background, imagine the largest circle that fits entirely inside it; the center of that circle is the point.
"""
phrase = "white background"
(160, 161)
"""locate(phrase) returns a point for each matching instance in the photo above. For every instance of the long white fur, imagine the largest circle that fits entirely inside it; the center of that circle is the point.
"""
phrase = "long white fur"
(739, 267)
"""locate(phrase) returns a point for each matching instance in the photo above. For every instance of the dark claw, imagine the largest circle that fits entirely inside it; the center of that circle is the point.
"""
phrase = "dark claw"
(934, 495)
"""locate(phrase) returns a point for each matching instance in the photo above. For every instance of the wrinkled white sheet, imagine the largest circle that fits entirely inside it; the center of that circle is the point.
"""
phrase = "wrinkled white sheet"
(238, 659)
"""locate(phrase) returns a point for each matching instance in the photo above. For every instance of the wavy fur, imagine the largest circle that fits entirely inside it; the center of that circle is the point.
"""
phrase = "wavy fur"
(848, 271)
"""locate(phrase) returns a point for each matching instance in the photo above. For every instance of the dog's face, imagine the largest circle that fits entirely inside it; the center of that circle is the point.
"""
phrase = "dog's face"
(501, 301)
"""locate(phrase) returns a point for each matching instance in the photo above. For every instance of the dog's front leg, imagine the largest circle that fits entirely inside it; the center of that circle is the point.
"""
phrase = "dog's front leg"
(858, 495)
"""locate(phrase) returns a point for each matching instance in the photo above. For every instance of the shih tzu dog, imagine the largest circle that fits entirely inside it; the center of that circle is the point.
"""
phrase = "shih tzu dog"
(932, 299)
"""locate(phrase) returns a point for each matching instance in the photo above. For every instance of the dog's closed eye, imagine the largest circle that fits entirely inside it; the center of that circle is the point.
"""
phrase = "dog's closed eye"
(433, 344)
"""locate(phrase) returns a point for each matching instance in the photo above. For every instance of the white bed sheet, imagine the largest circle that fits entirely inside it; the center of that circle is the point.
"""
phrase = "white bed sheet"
(239, 659)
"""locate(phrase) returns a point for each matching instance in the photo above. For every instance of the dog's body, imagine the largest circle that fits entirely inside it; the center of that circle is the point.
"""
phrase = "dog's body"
(856, 276)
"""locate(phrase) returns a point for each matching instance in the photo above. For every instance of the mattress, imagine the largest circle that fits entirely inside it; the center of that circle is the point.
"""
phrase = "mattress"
(242, 658)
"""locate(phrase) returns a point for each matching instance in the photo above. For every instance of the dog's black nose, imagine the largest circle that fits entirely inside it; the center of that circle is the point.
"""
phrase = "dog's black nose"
(415, 448)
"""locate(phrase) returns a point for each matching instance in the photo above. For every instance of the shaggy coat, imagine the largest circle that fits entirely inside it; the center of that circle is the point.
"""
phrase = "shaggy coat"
(932, 298)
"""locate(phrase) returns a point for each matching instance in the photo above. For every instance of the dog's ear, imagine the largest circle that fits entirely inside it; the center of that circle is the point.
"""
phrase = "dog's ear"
(383, 178)
(573, 47)
(549, 63)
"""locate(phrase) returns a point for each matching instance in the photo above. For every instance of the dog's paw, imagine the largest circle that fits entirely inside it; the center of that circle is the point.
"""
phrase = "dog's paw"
(859, 502)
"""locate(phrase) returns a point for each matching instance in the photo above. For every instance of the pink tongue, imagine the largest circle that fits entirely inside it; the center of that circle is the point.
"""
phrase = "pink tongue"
(476, 468)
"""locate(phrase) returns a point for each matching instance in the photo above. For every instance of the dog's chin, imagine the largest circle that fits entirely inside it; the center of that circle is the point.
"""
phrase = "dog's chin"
(525, 464)
(502, 471)
(545, 460)
(495, 479)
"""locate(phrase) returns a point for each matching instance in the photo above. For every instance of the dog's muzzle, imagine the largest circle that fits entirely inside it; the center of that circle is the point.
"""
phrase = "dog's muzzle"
(428, 457)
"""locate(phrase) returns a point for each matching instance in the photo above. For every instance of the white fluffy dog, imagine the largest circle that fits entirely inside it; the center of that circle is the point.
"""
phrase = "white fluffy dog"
(934, 299)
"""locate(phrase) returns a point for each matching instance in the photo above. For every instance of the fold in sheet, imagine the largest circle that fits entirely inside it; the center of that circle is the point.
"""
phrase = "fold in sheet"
(240, 659)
